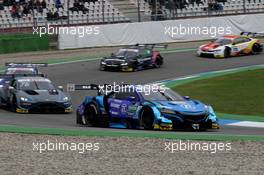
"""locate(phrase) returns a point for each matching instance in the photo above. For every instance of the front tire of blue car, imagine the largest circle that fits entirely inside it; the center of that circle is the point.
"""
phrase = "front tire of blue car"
(147, 118)
(91, 114)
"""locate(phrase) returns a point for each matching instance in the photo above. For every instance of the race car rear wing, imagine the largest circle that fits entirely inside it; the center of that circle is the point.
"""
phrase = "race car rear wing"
(252, 34)
(20, 75)
(153, 45)
(26, 64)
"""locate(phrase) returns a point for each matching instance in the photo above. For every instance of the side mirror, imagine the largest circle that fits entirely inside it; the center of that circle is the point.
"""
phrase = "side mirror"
(60, 88)
(187, 97)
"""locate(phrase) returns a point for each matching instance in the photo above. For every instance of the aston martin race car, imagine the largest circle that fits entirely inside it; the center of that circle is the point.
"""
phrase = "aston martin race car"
(134, 58)
(20, 69)
(232, 45)
(34, 94)
(136, 107)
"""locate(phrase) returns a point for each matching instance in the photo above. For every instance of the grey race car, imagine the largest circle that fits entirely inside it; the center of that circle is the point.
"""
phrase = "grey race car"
(34, 94)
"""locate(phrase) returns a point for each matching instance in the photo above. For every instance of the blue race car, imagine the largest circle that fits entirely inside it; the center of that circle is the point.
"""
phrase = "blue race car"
(140, 108)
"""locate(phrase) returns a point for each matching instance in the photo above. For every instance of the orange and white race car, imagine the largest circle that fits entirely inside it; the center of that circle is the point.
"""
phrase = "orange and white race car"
(232, 45)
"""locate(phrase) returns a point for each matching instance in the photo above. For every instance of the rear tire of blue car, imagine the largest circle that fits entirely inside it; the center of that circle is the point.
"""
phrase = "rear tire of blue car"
(91, 114)
(147, 118)
(78, 118)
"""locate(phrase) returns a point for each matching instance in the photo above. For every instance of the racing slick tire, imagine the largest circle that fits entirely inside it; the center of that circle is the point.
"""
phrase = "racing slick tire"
(135, 67)
(255, 49)
(13, 105)
(227, 52)
(147, 118)
(91, 114)
(158, 61)
(1, 101)
(78, 118)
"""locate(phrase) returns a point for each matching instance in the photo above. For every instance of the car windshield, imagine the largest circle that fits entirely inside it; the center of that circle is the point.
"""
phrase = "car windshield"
(35, 85)
(167, 95)
(223, 41)
(11, 71)
(126, 53)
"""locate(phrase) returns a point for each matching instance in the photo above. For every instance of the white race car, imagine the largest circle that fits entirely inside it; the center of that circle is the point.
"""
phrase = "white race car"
(231, 45)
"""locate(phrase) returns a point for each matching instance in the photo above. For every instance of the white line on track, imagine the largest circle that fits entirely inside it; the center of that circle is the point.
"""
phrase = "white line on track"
(248, 124)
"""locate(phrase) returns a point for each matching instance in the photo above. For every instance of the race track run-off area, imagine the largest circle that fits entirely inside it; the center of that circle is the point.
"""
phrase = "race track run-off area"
(176, 66)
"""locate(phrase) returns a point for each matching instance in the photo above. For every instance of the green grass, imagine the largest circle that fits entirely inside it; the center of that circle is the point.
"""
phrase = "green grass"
(237, 93)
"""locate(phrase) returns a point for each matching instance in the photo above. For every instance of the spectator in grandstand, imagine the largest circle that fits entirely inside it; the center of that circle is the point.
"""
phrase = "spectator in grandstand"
(26, 9)
(53, 16)
(56, 16)
(1, 5)
(58, 4)
(40, 5)
(9, 2)
(79, 6)
(49, 16)
(172, 7)
(180, 4)
(15, 11)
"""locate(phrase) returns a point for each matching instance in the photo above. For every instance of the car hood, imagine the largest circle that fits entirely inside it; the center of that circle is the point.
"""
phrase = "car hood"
(114, 60)
(42, 95)
(184, 107)
(209, 46)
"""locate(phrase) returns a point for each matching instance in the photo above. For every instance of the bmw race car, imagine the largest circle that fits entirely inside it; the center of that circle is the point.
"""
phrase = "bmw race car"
(142, 109)
(20, 69)
(138, 57)
(232, 45)
(34, 94)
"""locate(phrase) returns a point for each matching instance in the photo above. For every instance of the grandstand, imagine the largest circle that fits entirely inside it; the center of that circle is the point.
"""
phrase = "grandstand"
(28, 13)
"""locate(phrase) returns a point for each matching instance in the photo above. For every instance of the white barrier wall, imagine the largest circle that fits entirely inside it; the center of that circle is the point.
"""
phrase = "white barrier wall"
(158, 32)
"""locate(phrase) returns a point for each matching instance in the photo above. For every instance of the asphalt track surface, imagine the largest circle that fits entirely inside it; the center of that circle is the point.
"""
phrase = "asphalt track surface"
(176, 65)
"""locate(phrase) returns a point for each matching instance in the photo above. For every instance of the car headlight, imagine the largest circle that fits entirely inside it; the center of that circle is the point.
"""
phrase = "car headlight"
(66, 99)
(207, 110)
(167, 111)
(124, 64)
(102, 62)
(25, 99)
